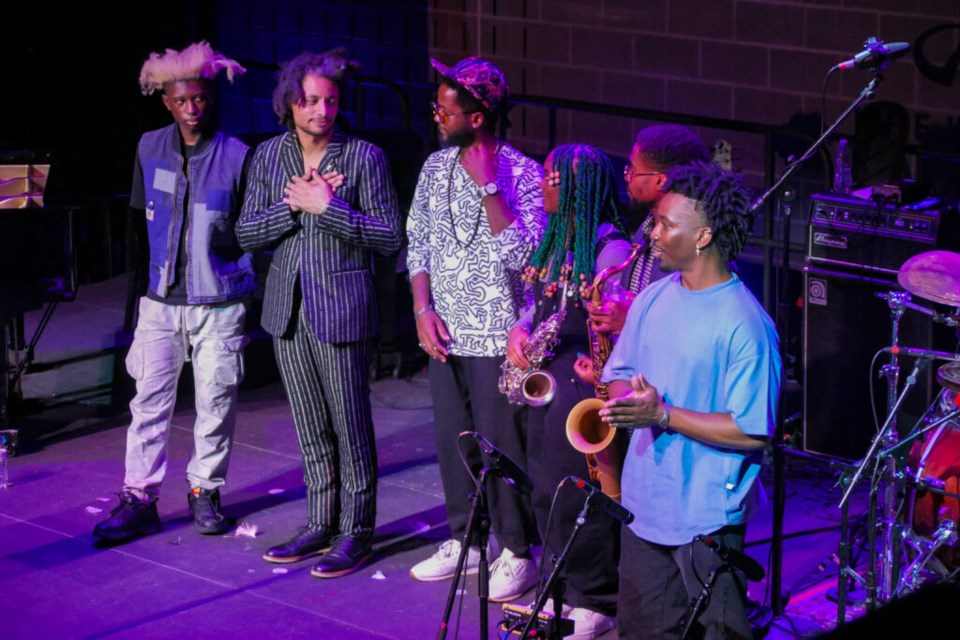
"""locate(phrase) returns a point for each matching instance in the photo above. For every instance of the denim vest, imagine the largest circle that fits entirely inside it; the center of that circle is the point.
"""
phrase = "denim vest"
(217, 269)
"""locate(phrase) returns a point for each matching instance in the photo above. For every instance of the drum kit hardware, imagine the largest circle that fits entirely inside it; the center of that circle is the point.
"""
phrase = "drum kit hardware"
(914, 508)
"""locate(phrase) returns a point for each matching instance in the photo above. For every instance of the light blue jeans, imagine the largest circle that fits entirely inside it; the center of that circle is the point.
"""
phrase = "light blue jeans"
(166, 337)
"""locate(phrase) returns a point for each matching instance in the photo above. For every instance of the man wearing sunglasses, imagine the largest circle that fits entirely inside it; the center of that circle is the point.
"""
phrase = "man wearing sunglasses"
(477, 215)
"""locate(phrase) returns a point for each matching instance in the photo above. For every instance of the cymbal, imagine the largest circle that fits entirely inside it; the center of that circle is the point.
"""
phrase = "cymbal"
(934, 276)
(949, 376)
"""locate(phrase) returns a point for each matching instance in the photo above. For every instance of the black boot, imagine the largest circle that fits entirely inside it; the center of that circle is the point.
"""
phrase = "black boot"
(132, 518)
(308, 542)
(346, 556)
(205, 509)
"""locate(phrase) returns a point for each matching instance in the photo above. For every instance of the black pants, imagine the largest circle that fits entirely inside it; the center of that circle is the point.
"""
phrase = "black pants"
(657, 584)
(590, 574)
(465, 398)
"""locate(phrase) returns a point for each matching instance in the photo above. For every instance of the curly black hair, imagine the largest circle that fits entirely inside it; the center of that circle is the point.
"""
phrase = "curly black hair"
(722, 198)
(669, 145)
(332, 65)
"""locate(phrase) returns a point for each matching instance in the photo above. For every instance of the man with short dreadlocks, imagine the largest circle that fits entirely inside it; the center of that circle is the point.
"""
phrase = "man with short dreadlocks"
(188, 184)
(584, 236)
(696, 372)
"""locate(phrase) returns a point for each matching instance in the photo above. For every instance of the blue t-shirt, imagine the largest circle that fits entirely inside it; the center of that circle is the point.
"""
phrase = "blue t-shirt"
(712, 351)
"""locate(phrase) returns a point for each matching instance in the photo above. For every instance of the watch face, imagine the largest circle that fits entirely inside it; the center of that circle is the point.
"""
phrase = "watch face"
(491, 188)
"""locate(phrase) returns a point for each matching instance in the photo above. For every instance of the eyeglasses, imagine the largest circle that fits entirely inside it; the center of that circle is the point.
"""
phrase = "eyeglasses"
(444, 116)
(629, 174)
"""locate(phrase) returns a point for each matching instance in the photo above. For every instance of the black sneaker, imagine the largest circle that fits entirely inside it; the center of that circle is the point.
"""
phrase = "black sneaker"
(307, 543)
(131, 519)
(346, 556)
(205, 509)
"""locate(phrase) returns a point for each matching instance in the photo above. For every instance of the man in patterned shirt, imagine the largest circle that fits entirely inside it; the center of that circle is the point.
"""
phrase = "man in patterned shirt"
(477, 215)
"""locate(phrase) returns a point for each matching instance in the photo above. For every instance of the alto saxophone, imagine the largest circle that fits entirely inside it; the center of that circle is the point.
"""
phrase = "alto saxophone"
(586, 432)
(534, 386)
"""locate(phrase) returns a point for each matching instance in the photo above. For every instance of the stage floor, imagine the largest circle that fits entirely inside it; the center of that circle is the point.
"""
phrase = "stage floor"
(56, 583)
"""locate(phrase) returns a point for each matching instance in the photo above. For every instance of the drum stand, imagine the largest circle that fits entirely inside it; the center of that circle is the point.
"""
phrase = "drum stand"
(893, 483)
(884, 468)
(946, 532)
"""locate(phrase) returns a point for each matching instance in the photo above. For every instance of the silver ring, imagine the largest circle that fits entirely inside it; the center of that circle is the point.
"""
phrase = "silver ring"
(423, 346)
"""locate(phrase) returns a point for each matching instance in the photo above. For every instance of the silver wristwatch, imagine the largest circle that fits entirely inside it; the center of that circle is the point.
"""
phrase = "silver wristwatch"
(489, 189)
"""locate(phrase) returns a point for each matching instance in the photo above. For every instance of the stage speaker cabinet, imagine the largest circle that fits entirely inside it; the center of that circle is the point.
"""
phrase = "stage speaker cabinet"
(844, 324)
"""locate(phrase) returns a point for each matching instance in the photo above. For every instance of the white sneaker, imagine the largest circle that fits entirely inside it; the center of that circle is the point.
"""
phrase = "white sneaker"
(511, 577)
(443, 564)
(588, 624)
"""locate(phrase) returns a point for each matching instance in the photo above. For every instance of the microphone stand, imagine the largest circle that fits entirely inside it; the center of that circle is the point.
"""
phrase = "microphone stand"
(478, 523)
(779, 462)
(698, 605)
(553, 627)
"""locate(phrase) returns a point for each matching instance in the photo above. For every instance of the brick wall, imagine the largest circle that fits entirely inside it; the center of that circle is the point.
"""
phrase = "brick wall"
(760, 61)
(757, 61)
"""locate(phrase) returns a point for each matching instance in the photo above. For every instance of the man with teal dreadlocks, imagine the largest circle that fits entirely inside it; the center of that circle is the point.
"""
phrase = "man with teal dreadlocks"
(584, 235)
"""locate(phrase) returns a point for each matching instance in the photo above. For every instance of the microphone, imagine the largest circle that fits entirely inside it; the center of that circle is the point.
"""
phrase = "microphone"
(875, 55)
(922, 353)
(509, 470)
(613, 508)
(736, 559)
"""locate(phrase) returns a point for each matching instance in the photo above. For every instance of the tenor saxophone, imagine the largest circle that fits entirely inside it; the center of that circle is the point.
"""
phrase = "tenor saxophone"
(586, 432)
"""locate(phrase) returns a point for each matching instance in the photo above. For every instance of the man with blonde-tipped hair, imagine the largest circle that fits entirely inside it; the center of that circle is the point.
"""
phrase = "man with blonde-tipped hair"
(188, 183)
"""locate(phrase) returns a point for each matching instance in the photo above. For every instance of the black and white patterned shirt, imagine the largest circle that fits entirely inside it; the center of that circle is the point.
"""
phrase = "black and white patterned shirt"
(474, 275)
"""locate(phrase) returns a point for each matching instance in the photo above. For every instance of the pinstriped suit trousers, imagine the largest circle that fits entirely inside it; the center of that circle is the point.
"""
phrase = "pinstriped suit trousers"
(329, 395)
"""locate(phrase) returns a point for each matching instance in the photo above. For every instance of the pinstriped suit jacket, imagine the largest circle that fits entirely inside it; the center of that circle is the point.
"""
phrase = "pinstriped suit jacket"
(331, 253)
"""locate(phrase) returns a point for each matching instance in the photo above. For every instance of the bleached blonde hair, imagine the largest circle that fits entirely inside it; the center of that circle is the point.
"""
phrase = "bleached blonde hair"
(197, 61)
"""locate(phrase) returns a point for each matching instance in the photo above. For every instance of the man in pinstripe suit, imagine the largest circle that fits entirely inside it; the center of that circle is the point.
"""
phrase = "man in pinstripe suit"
(323, 201)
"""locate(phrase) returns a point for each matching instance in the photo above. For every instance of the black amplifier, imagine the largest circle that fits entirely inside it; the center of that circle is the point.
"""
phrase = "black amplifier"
(872, 236)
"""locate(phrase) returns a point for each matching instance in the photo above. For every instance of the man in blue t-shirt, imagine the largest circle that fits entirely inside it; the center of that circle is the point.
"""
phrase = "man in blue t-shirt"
(697, 372)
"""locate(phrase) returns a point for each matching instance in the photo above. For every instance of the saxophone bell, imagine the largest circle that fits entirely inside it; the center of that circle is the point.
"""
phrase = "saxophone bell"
(586, 432)
(538, 388)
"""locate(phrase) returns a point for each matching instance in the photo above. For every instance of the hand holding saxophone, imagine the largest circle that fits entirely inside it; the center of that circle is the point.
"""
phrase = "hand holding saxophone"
(433, 334)
(610, 314)
(516, 343)
(639, 407)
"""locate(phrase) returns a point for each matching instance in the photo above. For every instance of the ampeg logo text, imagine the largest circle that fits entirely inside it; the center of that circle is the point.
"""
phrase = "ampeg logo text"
(829, 240)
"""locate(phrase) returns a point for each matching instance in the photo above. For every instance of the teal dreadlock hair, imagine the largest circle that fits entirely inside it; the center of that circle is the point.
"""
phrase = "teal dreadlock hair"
(588, 196)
